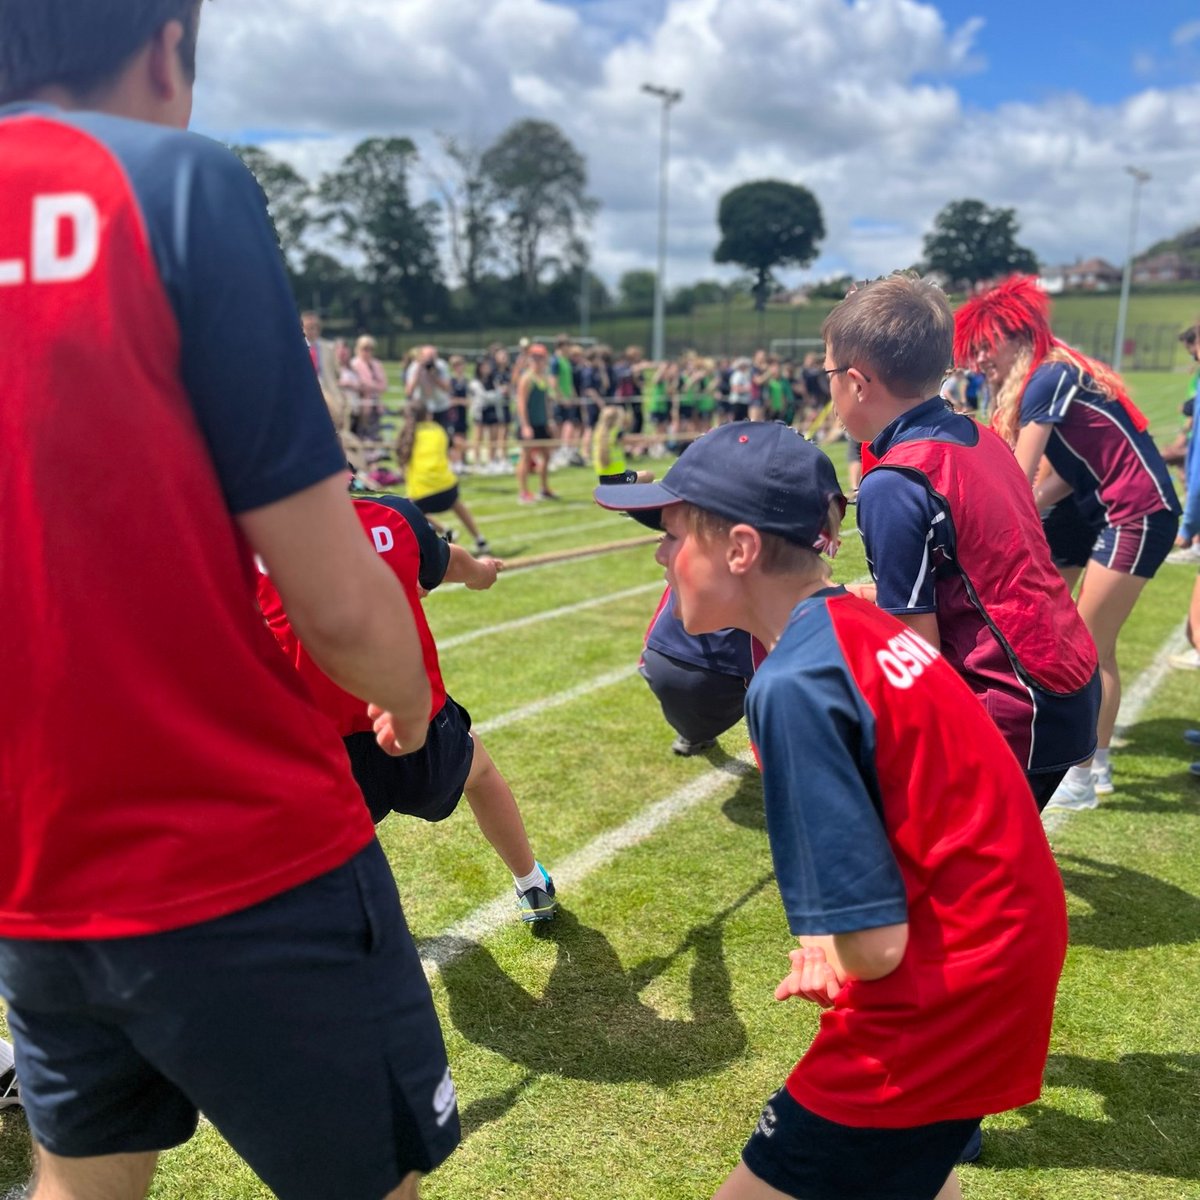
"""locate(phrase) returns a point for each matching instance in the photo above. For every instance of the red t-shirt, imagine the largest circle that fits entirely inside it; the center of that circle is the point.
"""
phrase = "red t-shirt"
(406, 542)
(891, 797)
(161, 763)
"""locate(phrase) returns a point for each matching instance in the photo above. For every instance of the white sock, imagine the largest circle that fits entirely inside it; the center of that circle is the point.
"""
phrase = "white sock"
(6, 1056)
(535, 878)
(1079, 776)
(1100, 760)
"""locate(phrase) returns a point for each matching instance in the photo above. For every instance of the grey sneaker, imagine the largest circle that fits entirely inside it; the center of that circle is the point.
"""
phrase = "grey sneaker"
(1189, 660)
(1074, 797)
(538, 903)
(686, 749)
(1102, 780)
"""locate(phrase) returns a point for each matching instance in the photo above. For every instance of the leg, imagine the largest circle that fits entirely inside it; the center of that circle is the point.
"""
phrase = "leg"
(951, 1190)
(1070, 576)
(1105, 602)
(544, 469)
(109, 1177)
(523, 465)
(1193, 621)
(496, 812)
(408, 1190)
(463, 513)
(743, 1184)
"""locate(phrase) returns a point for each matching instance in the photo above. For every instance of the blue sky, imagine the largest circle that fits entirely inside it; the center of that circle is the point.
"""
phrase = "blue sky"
(886, 110)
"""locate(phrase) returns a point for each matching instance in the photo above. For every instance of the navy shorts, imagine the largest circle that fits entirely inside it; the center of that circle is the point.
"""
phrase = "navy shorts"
(1069, 534)
(428, 783)
(806, 1156)
(1137, 547)
(302, 1027)
(456, 420)
(541, 433)
(697, 703)
(488, 415)
(439, 502)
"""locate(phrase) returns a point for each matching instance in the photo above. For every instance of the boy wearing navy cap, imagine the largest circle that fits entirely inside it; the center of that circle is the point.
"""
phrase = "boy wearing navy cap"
(936, 960)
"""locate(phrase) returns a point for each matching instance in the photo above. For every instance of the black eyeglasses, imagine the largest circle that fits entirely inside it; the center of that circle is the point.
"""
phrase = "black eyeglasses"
(828, 371)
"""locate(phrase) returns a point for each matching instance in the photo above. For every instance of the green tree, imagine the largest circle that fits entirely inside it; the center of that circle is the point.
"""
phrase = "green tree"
(768, 224)
(636, 289)
(539, 184)
(470, 220)
(288, 196)
(970, 242)
(366, 203)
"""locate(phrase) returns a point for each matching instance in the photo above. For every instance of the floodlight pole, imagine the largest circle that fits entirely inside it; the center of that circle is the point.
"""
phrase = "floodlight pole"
(668, 96)
(1139, 177)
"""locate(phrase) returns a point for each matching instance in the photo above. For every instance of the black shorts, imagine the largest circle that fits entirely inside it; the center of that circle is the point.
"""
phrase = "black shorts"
(697, 703)
(541, 433)
(566, 412)
(302, 1027)
(741, 412)
(687, 412)
(724, 405)
(439, 502)
(489, 415)
(591, 413)
(427, 783)
(456, 420)
(444, 419)
(806, 1156)
(1068, 534)
(637, 424)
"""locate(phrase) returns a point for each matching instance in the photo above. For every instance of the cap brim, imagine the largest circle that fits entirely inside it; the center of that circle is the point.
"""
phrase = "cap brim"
(644, 502)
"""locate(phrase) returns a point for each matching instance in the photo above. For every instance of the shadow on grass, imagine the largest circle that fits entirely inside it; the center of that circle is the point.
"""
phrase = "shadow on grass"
(1151, 1111)
(591, 1023)
(1130, 909)
(1161, 739)
(16, 1161)
(745, 806)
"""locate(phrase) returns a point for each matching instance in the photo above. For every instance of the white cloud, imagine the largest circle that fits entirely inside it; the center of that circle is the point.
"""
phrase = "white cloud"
(1186, 34)
(856, 99)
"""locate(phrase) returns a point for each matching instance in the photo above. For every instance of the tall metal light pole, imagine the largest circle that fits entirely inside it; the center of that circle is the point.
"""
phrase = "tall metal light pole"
(1139, 177)
(668, 96)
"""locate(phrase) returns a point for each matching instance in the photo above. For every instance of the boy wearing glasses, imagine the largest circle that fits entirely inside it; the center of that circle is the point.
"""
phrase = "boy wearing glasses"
(952, 535)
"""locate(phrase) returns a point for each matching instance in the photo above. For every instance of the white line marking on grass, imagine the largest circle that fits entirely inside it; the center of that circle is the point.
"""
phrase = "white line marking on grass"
(549, 614)
(1133, 701)
(440, 951)
(566, 562)
(555, 701)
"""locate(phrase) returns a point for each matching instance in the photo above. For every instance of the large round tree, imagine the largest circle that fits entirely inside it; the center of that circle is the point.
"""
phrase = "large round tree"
(768, 224)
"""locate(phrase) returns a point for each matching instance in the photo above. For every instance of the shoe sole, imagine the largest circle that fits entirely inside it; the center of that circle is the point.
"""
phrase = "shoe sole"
(1070, 806)
(530, 916)
(1104, 789)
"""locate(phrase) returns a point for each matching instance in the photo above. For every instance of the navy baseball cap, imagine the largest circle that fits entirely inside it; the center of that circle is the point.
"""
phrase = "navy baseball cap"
(758, 473)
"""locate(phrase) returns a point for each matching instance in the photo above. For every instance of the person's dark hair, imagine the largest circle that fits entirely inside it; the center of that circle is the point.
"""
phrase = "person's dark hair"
(81, 45)
(901, 326)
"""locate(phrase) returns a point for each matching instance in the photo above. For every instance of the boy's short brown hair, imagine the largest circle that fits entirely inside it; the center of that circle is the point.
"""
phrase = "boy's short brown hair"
(900, 327)
(779, 556)
(81, 45)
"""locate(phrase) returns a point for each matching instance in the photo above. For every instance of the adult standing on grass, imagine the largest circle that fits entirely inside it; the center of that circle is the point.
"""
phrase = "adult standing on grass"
(951, 532)
(1189, 526)
(1050, 400)
(189, 881)
(927, 902)
(535, 389)
(372, 384)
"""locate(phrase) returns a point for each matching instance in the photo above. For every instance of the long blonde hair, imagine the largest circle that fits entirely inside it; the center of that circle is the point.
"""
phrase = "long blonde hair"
(414, 413)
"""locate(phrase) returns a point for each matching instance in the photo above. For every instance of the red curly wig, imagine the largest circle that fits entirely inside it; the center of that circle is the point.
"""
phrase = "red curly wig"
(1018, 308)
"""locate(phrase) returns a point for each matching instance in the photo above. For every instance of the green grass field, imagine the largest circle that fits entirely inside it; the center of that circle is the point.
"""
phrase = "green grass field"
(625, 1049)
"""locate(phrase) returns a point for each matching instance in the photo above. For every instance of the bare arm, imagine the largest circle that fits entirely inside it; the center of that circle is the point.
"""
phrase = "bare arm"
(344, 603)
(825, 963)
(477, 573)
(926, 624)
(1050, 487)
(1031, 445)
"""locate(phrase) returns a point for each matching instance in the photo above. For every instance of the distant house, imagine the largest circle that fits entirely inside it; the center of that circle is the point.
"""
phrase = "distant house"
(1170, 267)
(1091, 275)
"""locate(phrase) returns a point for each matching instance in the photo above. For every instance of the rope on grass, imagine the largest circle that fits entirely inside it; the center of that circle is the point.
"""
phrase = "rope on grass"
(556, 556)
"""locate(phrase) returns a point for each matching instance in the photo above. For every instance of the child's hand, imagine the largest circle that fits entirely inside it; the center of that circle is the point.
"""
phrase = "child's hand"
(484, 574)
(864, 591)
(811, 978)
(394, 737)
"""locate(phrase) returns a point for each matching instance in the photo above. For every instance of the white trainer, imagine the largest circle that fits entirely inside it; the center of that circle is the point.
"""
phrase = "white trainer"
(1074, 797)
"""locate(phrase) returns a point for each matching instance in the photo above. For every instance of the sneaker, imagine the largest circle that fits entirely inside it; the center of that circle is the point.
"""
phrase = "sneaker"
(1194, 768)
(1192, 737)
(1102, 780)
(10, 1090)
(448, 537)
(1189, 555)
(686, 749)
(526, 498)
(1074, 796)
(1189, 660)
(549, 495)
(538, 903)
(481, 547)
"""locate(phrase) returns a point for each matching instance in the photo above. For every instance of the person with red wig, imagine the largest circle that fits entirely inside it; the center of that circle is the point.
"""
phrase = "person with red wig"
(1052, 401)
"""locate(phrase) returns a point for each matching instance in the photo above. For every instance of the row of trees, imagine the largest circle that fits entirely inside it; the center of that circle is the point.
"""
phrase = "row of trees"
(514, 216)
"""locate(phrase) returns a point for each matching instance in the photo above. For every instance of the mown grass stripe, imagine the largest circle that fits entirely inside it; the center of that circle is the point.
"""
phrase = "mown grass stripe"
(549, 614)
(557, 700)
(439, 951)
